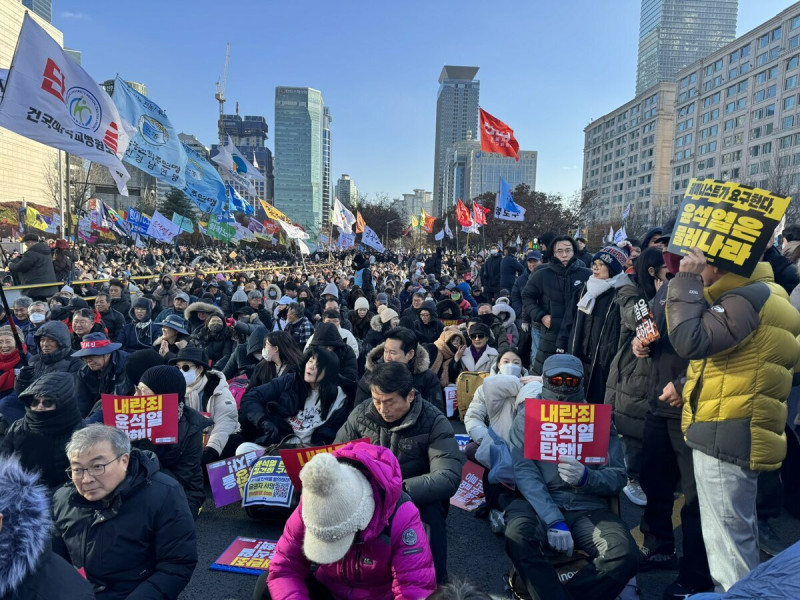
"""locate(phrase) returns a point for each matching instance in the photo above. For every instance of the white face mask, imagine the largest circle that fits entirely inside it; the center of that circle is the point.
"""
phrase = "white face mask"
(190, 376)
(510, 369)
(37, 318)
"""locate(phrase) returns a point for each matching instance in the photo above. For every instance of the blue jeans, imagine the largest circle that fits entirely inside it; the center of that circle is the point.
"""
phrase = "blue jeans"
(536, 338)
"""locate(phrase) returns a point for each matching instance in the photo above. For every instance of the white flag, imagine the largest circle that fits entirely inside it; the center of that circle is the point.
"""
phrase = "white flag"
(610, 237)
(370, 238)
(304, 249)
(241, 165)
(226, 160)
(342, 217)
(439, 236)
(519, 240)
(293, 231)
(626, 212)
(51, 99)
(621, 235)
(447, 229)
(162, 229)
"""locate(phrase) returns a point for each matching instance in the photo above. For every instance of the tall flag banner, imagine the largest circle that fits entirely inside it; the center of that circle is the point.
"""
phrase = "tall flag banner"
(359, 222)
(479, 214)
(342, 217)
(414, 222)
(258, 229)
(237, 203)
(85, 230)
(35, 219)
(371, 239)
(220, 230)
(439, 236)
(426, 221)
(204, 186)
(346, 240)
(272, 212)
(292, 231)
(138, 221)
(408, 230)
(51, 99)
(626, 212)
(621, 235)
(240, 164)
(162, 229)
(610, 237)
(497, 137)
(53, 224)
(462, 214)
(155, 148)
(224, 159)
(447, 229)
(304, 249)
(505, 207)
(185, 223)
(113, 220)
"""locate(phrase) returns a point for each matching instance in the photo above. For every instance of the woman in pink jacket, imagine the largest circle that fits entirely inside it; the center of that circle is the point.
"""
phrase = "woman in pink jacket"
(354, 535)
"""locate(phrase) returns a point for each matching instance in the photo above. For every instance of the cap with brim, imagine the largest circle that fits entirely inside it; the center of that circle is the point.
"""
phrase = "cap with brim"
(562, 364)
(182, 296)
(96, 344)
(175, 322)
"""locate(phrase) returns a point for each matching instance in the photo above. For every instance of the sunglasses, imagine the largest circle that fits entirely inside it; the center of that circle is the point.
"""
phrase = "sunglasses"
(477, 336)
(45, 403)
(559, 380)
(186, 368)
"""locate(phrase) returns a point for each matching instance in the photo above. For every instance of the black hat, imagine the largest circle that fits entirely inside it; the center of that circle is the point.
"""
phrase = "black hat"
(176, 322)
(165, 379)
(327, 335)
(197, 356)
(482, 328)
(138, 362)
(30, 237)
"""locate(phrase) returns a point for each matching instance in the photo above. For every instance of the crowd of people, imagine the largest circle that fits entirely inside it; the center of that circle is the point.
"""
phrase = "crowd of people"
(267, 350)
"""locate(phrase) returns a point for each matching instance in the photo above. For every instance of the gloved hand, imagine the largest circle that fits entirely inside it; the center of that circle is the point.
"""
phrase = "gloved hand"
(571, 471)
(230, 321)
(210, 455)
(270, 432)
(526, 327)
(560, 538)
(24, 379)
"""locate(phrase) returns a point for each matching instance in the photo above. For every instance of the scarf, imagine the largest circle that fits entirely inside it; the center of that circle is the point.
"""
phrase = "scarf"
(476, 354)
(7, 364)
(597, 287)
(441, 365)
(194, 394)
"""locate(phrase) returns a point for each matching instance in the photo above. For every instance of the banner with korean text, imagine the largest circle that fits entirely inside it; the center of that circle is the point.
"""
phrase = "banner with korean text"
(295, 459)
(228, 477)
(554, 429)
(269, 485)
(469, 495)
(731, 223)
(154, 418)
(246, 555)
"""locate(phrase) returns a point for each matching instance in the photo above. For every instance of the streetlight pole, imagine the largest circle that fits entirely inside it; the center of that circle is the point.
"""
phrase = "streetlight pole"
(386, 239)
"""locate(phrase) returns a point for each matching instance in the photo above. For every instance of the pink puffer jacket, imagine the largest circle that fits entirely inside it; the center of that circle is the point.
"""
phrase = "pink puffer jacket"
(383, 564)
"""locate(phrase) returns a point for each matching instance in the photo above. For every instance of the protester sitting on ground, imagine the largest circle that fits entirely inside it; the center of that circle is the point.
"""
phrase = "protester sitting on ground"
(103, 371)
(360, 318)
(30, 569)
(51, 415)
(479, 356)
(9, 360)
(122, 522)
(298, 324)
(352, 505)
(329, 336)
(207, 392)
(165, 293)
(247, 355)
(174, 336)
(54, 348)
(564, 506)
(197, 313)
(85, 321)
(428, 327)
(401, 347)
(279, 355)
(112, 320)
(423, 441)
(380, 324)
(305, 406)
(508, 335)
(19, 308)
(38, 312)
(444, 364)
(216, 338)
(140, 332)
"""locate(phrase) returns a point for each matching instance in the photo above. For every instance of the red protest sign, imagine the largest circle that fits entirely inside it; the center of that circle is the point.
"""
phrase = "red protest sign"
(646, 329)
(295, 459)
(554, 429)
(246, 555)
(469, 494)
(143, 417)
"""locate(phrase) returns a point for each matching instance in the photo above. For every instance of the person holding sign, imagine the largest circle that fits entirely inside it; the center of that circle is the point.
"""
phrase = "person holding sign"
(739, 332)
(123, 522)
(564, 505)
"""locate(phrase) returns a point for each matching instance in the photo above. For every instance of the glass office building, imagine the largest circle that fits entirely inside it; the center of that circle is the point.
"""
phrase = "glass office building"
(326, 166)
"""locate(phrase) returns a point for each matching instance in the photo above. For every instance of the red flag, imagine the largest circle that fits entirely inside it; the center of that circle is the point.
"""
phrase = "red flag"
(462, 214)
(428, 224)
(479, 213)
(407, 230)
(498, 137)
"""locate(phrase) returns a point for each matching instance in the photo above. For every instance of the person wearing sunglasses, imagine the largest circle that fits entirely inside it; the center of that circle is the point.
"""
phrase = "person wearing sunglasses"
(563, 506)
(51, 415)
(123, 522)
(479, 355)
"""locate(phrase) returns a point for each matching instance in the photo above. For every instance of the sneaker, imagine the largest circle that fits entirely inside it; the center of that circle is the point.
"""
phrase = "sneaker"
(496, 521)
(657, 561)
(678, 591)
(635, 493)
(768, 540)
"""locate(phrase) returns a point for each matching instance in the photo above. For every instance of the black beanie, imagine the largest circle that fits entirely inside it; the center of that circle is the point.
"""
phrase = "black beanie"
(327, 335)
(165, 379)
(140, 361)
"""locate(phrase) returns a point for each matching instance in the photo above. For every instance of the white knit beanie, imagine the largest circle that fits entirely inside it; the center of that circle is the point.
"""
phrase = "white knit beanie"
(361, 303)
(337, 503)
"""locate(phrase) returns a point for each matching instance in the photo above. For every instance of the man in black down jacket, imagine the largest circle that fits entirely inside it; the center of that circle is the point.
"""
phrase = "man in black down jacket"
(122, 521)
(545, 296)
(490, 273)
(35, 266)
(510, 268)
(421, 438)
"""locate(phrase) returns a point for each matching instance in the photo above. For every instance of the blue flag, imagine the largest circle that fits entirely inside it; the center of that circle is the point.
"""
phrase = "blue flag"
(237, 203)
(139, 222)
(506, 201)
(204, 186)
(155, 149)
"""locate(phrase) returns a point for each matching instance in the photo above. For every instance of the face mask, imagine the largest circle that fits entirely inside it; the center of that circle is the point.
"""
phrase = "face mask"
(510, 369)
(37, 318)
(190, 376)
(215, 327)
(494, 253)
(167, 283)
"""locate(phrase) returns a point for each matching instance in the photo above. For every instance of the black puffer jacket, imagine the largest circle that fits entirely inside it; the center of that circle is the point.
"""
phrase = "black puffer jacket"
(111, 380)
(190, 314)
(39, 437)
(141, 544)
(429, 332)
(58, 361)
(665, 364)
(423, 442)
(114, 323)
(490, 274)
(242, 361)
(548, 292)
(35, 266)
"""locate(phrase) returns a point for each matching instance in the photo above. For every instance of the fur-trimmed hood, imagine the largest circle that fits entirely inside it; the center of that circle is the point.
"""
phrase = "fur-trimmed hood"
(422, 360)
(190, 314)
(503, 307)
(375, 324)
(26, 524)
(276, 289)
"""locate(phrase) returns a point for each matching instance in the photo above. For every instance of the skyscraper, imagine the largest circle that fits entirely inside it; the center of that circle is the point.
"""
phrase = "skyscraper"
(43, 8)
(298, 154)
(326, 166)
(456, 114)
(249, 135)
(676, 33)
(346, 191)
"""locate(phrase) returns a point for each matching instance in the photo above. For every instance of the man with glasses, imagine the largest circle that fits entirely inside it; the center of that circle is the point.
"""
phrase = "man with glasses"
(122, 522)
(564, 506)
(547, 292)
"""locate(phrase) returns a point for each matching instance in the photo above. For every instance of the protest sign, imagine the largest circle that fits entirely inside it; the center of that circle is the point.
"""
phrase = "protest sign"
(646, 329)
(463, 439)
(469, 494)
(269, 485)
(731, 223)
(295, 459)
(228, 477)
(143, 417)
(246, 555)
(554, 429)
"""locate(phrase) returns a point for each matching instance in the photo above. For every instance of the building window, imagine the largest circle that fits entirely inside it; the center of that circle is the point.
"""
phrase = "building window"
(788, 122)
(790, 102)
(763, 41)
(761, 59)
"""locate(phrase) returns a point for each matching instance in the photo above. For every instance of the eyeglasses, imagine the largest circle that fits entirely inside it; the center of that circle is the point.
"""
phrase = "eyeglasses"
(477, 336)
(559, 380)
(77, 473)
(44, 402)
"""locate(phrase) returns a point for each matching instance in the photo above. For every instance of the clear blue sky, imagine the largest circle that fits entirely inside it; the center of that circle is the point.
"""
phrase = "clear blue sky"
(546, 68)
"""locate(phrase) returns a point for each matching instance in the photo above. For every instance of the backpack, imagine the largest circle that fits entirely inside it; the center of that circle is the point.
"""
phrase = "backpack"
(238, 386)
(466, 384)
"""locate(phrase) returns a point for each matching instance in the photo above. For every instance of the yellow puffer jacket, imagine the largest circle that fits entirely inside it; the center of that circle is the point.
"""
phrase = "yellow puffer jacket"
(744, 350)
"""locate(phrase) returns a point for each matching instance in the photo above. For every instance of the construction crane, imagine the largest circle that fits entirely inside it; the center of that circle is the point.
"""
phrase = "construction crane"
(220, 95)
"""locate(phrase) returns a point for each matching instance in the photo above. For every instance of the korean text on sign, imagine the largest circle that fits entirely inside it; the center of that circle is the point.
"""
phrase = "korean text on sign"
(143, 417)
(469, 494)
(228, 477)
(246, 555)
(554, 429)
(646, 329)
(269, 484)
(731, 223)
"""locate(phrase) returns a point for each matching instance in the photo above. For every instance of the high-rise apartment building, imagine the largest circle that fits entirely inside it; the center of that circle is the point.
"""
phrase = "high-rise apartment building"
(327, 203)
(456, 115)
(412, 204)
(249, 135)
(676, 33)
(346, 191)
(298, 154)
